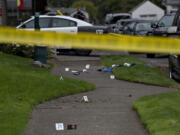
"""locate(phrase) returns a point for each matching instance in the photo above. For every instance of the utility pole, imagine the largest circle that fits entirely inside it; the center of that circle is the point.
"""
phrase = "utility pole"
(40, 53)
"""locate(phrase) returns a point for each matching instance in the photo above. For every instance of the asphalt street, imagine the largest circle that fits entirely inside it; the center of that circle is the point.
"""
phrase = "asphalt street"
(108, 112)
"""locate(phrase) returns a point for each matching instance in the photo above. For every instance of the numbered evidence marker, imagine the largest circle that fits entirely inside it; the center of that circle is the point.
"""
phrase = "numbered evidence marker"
(61, 78)
(85, 99)
(59, 126)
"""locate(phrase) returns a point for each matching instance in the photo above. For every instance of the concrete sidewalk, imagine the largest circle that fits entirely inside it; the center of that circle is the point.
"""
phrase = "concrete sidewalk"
(109, 111)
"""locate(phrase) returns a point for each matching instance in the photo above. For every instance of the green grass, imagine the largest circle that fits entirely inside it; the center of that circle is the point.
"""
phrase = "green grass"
(140, 73)
(161, 113)
(23, 86)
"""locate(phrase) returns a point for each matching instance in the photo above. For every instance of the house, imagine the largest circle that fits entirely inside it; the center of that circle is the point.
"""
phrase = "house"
(147, 11)
(171, 5)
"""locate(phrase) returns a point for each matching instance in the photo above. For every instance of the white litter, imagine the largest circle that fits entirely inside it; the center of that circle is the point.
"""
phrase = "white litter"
(73, 71)
(114, 65)
(85, 99)
(84, 70)
(59, 126)
(87, 66)
(112, 77)
(127, 64)
(67, 69)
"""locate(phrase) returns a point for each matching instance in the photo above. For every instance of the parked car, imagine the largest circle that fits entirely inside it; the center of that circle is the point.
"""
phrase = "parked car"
(174, 59)
(111, 19)
(121, 23)
(65, 24)
(160, 28)
(137, 27)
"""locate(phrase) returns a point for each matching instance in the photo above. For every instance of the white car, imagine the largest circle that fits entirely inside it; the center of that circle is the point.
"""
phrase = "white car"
(55, 23)
(65, 24)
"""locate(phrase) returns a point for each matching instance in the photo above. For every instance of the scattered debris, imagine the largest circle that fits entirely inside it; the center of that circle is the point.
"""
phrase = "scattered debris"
(84, 70)
(59, 126)
(112, 77)
(71, 126)
(129, 64)
(67, 69)
(123, 65)
(78, 73)
(85, 99)
(106, 69)
(75, 72)
(87, 66)
(115, 65)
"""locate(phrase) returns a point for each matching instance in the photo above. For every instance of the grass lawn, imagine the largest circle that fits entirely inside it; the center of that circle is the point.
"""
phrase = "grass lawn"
(161, 113)
(140, 73)
(23, 86)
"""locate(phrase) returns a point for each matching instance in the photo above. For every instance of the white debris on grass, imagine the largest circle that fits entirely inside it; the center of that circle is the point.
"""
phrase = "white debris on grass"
(74, 71)
(127, 64)
(114, 65)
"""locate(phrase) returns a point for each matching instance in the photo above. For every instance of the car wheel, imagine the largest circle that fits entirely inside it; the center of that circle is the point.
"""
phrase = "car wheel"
(150, 55)
(83, 52)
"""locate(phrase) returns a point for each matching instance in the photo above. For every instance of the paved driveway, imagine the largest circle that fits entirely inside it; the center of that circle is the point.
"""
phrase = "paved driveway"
(109, 111)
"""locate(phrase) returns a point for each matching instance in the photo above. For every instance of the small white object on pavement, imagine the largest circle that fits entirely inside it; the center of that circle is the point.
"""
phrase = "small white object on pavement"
(85, 99)
(87, 66)
(112, 77)
(84, 70)
(59, 126)
(73, 71)
(67, 69)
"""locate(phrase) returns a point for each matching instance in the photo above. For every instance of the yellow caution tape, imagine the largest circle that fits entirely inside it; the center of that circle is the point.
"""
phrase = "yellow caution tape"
(91, 41)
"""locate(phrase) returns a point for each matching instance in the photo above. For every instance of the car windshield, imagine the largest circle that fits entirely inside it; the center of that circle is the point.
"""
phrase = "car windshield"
(116, 18)
(122, 23)
(166, 21)
(145, 26)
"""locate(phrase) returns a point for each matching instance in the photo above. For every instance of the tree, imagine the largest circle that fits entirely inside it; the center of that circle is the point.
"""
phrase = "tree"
(89, 6)
(60, 3)
(99, 8)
